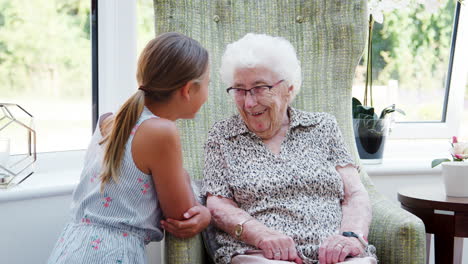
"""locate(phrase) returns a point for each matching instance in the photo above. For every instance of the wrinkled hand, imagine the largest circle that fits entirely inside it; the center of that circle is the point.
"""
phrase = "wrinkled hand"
(336, 248)
(197, 218)
(278, 246)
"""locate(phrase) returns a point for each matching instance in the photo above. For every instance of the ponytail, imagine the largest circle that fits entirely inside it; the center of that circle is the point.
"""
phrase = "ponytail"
(122, 126)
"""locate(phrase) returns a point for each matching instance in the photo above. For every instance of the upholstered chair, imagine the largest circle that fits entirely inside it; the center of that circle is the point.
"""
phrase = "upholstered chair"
(329, 37)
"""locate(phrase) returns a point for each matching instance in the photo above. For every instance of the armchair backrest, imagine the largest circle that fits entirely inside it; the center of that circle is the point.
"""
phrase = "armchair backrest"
(329, 37)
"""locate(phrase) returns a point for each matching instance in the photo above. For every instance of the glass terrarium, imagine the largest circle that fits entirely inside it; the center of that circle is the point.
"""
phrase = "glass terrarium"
(17, 145)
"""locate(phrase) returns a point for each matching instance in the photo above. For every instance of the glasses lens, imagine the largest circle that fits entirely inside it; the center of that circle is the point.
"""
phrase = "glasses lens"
(236, 92)
(260, 90)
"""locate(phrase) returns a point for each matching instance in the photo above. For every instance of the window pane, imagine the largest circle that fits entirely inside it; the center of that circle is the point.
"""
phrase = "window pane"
(464, 121)
(145, 23)
(411, 52)
(45, 66)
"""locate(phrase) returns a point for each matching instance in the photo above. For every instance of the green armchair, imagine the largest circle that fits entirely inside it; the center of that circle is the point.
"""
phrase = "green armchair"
(329, 37)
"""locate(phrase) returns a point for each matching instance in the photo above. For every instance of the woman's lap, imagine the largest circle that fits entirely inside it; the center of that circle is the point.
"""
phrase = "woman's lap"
(260, 259)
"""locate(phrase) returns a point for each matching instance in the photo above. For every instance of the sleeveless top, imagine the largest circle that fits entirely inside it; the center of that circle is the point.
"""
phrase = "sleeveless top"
(130, 204)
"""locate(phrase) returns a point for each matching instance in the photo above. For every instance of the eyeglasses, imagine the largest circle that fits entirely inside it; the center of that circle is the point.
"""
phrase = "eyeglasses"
(258, 91)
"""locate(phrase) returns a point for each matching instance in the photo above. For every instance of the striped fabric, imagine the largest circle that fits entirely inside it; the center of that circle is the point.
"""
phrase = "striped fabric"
(112, 226)
(329, 37)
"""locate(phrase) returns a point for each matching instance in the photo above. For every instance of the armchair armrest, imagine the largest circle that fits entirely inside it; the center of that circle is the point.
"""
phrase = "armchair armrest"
(182, 251)
(399, 236)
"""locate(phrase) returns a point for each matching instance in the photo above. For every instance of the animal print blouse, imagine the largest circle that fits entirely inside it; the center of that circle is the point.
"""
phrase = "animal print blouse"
(297, 192)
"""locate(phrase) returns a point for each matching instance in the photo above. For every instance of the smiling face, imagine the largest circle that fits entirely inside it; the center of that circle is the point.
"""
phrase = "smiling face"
(264, 114)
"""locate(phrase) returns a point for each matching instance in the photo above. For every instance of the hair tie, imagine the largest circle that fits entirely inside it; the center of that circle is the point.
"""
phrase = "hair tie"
(142, 88)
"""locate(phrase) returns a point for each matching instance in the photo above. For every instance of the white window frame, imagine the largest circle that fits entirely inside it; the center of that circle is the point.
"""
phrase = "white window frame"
(451, 126)
(117, 45)
(117, 58)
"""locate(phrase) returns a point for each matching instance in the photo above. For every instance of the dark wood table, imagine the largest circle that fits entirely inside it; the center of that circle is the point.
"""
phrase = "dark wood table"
(445, 217)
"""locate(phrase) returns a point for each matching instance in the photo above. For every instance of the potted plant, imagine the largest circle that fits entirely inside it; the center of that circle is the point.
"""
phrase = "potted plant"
(455, 171)
(371, 130)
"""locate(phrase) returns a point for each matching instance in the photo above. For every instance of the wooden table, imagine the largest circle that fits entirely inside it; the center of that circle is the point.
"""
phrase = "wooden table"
(445, 217)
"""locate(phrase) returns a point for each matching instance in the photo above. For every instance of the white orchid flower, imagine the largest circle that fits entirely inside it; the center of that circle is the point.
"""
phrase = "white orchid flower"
(431, 6)
(460, 150)
(377, 8)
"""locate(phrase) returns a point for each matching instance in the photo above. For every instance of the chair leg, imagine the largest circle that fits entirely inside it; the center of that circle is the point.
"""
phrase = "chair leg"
(428, 246)
(458, 250)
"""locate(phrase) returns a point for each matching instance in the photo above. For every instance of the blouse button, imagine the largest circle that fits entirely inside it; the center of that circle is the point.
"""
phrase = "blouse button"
(299, 19)
(216, 18)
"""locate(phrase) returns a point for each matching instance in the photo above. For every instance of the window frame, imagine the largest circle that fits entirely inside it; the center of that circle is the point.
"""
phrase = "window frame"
(455, 90)
(115, 47)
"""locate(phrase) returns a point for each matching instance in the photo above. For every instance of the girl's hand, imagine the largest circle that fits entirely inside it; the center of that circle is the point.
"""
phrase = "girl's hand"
(197, 219)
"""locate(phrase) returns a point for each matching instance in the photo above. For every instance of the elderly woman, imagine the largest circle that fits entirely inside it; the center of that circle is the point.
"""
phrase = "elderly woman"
(280, 183)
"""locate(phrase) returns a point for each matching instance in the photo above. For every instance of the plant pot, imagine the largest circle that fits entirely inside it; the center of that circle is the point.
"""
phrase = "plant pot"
(455, 174)
(370, 136)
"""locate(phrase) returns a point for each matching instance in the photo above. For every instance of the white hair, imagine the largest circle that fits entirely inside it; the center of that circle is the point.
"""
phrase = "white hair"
(259, 50)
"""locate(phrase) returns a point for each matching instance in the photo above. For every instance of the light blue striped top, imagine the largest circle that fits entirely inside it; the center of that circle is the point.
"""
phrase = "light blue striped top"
(131, 204)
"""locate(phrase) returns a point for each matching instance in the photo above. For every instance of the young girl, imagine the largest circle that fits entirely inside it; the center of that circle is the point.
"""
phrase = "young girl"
(133, 174)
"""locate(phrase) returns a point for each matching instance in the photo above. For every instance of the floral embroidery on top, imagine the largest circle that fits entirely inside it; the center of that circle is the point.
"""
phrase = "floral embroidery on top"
(93, 178)
(106, 201)
(95, 242)
(86, 220)
(145, 185)
(134, 129)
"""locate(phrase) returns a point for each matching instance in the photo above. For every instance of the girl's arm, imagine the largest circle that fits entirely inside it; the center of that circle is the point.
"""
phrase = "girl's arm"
(197, 219)
(156, 150)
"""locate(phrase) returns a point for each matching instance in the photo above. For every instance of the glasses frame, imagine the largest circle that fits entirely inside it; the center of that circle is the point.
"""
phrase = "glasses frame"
(251, 90)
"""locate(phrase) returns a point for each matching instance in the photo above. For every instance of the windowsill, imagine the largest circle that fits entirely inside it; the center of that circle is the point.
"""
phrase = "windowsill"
(410, 157)
(57, 173)
(401, 167)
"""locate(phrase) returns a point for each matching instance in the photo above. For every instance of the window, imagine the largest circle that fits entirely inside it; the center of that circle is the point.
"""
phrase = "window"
(412, 68)
(145, 23)
(45, 67)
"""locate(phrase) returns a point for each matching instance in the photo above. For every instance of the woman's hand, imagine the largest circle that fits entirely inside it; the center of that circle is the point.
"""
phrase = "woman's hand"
(336, 248)
(197, 219)
(275, 245)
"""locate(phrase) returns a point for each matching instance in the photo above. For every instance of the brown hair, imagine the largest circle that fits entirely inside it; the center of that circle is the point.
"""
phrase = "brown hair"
(166, 64)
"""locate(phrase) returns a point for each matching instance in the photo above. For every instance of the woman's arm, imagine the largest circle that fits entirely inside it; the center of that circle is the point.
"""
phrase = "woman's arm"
(156, 150)
(226, 215)
(356, 207)
(356, 217)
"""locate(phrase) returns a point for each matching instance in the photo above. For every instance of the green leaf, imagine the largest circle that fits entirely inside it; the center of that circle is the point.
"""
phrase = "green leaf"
(436, 162)
(356, 102)
(400, 111)
(390, 109)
